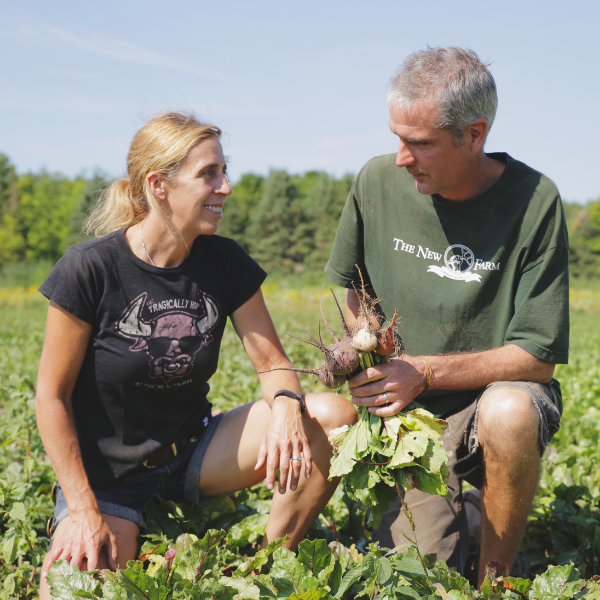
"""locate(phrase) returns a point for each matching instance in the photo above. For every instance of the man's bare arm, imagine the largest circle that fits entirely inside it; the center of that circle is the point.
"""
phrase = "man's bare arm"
(404, 379)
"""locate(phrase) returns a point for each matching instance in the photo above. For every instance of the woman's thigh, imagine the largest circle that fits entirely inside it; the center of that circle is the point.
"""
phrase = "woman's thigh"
(230, 458)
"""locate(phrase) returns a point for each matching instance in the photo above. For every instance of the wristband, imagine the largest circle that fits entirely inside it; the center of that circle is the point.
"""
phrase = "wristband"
(429, 374)
(293, 396)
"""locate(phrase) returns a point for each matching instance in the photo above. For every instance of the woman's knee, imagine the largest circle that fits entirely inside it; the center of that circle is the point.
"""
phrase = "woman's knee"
(330, 410)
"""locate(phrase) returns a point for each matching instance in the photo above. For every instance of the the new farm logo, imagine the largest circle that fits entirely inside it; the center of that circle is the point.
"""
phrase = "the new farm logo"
(460, 263)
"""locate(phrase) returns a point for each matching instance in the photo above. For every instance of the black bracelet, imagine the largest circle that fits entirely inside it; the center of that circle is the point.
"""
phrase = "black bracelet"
(293, 396)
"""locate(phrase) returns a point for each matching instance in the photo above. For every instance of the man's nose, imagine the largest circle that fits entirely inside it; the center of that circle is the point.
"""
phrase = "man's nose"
(404, 158)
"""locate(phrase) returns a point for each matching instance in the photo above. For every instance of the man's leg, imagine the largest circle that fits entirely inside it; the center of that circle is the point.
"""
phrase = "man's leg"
(508, 431)
(440, 523)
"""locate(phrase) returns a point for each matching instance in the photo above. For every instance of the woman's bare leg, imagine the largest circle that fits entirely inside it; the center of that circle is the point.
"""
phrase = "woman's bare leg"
(229, 462)
(126, 533)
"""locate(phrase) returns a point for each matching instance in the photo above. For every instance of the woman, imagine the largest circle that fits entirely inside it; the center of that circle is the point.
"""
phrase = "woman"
(132, 337)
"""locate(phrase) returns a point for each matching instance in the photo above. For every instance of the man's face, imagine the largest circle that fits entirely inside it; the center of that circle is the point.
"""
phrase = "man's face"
(428, 153)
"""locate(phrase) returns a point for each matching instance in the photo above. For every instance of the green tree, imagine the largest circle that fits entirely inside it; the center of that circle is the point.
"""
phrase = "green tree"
(89, 197)
(280, 230)
(327, 198)
(584, 239)
(11, 242)
(240, 206)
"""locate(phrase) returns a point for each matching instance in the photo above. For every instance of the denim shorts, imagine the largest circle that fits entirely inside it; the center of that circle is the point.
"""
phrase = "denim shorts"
(177, 480)
(440, 521)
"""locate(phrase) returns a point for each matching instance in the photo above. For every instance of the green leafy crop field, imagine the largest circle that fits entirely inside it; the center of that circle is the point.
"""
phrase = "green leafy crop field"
(337, 560)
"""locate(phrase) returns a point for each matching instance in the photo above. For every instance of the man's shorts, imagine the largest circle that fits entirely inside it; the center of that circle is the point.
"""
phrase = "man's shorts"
(177, 480)
(440, 522)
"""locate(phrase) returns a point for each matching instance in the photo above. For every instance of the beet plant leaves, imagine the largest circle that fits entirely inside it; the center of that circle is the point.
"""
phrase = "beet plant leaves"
(377, 457)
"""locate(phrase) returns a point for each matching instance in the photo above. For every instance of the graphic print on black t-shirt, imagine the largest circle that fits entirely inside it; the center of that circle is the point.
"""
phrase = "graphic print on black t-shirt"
(173, 338)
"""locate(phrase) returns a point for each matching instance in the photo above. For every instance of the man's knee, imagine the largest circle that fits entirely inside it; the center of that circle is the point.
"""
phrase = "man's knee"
(507, 416)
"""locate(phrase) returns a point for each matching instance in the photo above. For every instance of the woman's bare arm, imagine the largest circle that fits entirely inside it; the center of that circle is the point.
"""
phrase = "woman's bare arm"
(284, 434)
(65, 346)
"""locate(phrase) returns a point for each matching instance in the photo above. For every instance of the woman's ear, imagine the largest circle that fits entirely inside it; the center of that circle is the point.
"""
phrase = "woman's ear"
(156, 185)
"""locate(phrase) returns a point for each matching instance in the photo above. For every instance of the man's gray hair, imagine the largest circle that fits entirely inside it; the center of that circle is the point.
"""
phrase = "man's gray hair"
(455, 79)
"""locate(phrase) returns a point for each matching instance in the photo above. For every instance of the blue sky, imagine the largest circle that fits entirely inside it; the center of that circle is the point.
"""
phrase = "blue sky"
(296, 85)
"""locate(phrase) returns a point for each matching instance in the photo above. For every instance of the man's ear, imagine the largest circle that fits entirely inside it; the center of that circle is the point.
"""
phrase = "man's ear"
(476, 134)
(156, 185)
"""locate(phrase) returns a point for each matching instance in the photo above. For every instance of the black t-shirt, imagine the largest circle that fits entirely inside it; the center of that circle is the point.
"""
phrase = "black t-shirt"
(154, 344)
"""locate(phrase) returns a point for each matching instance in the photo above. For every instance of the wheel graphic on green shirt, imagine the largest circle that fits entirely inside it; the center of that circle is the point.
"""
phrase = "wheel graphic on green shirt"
(461, 260)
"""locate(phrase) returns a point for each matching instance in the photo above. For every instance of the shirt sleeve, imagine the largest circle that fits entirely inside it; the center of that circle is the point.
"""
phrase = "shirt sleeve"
(540, 324)
(348, 246)
(246, 277)
(73, 285)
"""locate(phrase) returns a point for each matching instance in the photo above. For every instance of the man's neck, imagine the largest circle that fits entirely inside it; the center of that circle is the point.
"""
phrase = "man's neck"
(486, 170)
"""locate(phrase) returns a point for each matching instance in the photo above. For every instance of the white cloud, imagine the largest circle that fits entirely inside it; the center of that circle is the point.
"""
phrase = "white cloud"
(123, 51)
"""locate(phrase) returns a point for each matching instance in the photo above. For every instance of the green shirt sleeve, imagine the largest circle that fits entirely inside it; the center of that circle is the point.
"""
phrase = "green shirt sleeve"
(540, 324)
(348, 246)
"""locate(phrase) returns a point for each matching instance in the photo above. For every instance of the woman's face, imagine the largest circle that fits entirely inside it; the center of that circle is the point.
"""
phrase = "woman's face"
(197, 193)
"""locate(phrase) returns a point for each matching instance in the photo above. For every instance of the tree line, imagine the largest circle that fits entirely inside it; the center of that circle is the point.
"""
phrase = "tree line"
(286, 222)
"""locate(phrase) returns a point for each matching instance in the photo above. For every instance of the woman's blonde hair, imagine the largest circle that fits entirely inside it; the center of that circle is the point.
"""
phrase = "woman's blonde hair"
(161, 145)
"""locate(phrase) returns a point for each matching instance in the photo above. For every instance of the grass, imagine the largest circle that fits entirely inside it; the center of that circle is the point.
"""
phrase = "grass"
(572, 460)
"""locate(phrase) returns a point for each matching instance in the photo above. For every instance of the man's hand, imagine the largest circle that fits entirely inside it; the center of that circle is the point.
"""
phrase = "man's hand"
(401, 379)
(82, 538)
(283, 438)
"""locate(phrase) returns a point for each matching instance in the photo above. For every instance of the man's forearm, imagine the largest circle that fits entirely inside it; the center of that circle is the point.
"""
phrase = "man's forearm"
(478, 369)
(472, 370)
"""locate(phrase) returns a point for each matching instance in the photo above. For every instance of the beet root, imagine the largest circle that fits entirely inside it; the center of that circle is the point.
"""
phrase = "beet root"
(385, 338)
(389, 340)
(341, 358)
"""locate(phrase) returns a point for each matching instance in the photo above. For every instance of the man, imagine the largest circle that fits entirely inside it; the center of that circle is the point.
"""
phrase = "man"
(472, 250)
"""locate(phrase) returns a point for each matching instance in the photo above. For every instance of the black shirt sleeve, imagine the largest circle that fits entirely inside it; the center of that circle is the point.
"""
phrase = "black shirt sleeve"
(246, 275)
(73, 285)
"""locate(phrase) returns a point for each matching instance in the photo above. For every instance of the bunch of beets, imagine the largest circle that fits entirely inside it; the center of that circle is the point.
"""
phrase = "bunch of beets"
(366, 344)
(378, 458)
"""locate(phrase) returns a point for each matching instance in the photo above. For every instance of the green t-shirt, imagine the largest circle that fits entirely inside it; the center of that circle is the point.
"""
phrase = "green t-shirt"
(465, 276)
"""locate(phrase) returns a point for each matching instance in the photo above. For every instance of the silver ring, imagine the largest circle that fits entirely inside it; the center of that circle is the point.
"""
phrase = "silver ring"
(387, 398)
(296, 458)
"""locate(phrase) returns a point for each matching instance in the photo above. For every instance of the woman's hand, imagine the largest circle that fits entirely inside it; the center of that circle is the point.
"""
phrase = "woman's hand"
(284, 435)
(82, 536)
(283, 438)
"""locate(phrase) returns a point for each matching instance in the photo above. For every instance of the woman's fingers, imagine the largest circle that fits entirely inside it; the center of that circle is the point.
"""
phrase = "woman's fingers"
(52, 556)
(92, 554)
(112, 552)
(307, 455)
(285, 450)
(262, 454)
(272, 463)
(296, 465)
